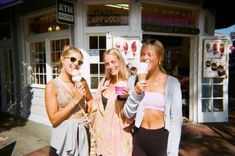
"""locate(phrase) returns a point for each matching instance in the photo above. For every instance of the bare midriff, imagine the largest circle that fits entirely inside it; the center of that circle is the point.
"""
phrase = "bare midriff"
(153, 119)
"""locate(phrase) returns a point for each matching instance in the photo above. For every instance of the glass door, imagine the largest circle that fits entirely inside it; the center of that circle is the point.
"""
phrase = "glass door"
(213, 80)
(213, 106)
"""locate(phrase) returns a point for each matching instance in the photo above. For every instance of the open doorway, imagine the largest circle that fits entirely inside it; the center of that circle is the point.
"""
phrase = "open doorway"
(176, 63)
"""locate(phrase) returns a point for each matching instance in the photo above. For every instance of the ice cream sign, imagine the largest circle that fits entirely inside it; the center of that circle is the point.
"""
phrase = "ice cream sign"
(215, 58)
(129, 47)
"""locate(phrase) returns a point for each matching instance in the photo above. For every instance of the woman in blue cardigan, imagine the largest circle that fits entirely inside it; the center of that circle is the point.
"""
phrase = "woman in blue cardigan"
(156, 105)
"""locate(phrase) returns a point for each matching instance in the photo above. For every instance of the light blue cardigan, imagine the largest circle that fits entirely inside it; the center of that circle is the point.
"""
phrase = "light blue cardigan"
(172, 115)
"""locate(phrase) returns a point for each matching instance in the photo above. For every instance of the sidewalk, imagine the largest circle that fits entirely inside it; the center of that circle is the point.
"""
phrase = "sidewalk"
(28, 135)
(209, 139)
(212, 139)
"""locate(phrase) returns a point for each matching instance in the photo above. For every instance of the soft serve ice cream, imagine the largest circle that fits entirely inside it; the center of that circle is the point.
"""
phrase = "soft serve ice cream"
(142, 71)
(76, 76)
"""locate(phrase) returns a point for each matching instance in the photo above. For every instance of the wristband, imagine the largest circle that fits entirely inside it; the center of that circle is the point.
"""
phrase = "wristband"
(73, 104)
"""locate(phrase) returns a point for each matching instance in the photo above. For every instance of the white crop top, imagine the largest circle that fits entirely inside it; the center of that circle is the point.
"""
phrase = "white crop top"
(154, 100)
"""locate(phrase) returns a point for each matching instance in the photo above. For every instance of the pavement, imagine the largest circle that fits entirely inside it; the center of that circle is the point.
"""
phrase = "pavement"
(208, 139)
(28, 135)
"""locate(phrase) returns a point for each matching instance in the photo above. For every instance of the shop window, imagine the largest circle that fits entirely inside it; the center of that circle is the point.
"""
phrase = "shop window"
(212, 105)
(45, 23)
(108, 15)
(57, 47)
(212, 95)
(38, 60)
(97, 46)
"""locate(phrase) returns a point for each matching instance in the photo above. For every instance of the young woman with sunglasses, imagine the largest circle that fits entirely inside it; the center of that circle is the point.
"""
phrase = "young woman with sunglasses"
(66, 104)
(156, 105)
(113, 131)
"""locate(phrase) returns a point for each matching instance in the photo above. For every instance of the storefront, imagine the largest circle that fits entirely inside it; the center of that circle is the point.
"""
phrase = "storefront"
(95, 26)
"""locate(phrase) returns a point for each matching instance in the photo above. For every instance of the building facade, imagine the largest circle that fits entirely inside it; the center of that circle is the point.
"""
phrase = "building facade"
(35, 33)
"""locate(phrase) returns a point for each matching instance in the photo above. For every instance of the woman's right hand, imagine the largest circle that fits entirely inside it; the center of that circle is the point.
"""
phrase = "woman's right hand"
(140, 87)
(79, 91)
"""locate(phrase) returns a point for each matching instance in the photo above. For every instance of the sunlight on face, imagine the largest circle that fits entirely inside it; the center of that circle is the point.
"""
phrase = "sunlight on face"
(112, 64)
(73, 61)
(149, 55)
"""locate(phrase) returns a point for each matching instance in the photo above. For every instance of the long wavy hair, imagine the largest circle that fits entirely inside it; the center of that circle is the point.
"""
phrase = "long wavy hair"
(124, 72)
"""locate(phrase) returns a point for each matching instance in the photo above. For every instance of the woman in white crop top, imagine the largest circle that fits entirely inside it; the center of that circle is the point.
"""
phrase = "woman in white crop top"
(67, 101)
(156, 104)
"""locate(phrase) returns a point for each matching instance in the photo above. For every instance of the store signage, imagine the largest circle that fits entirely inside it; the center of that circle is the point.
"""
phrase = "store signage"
(170, 29)
(167, 19)
(101, 15)
(166, 15)
(215, 58)
(65, 12)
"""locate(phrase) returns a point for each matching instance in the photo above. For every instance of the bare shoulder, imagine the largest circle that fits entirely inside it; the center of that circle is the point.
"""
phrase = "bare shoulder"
(50, 86)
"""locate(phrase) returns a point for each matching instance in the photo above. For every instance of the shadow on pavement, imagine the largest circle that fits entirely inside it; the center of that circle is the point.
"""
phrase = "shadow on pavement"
(209, 139)
(203, 140)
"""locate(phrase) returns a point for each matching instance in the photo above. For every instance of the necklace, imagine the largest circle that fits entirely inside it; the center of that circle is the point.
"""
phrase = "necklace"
(66, 87)
(66, 81)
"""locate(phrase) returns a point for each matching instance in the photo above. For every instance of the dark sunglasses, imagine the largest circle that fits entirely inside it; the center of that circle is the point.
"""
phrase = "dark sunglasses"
(74, 59)
(149, 41)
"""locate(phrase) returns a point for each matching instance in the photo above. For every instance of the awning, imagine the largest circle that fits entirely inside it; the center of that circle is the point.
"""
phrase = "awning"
(223, 10)
(8, 3)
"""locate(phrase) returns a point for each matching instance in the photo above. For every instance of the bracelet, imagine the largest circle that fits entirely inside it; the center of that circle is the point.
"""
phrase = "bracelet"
(73, 104)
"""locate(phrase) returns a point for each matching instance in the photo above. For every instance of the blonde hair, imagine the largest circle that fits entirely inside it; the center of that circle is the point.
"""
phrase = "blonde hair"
(67, 50)
(158, 49)
(123, 73)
